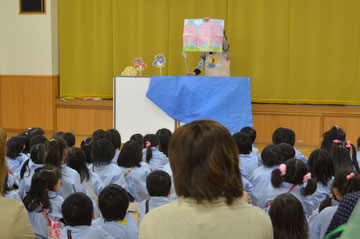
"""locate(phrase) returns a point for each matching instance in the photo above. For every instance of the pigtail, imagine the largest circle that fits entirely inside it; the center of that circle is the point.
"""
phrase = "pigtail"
(23, 169)
(148, 154)
(352, 184)
(310, 187)
(327, 202)
(276, 178)
(150, 140)
(55, 151)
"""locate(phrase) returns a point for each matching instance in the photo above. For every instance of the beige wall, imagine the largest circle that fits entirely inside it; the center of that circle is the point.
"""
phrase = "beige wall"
(28, 43)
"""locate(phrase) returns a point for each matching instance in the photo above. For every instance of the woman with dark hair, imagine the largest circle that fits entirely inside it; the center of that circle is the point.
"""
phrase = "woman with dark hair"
(211, 203)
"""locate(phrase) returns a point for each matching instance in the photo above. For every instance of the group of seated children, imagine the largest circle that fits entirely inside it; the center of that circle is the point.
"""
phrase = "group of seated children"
(88, 190)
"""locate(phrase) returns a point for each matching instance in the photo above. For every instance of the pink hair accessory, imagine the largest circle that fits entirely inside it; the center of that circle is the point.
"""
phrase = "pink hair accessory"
(147, 144)
(348, 144)
(307, 177)
(336, 141)
(282, 169)
(46, 190)
(350, 176)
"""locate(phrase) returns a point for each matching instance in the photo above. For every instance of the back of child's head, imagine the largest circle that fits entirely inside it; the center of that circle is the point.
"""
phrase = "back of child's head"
(130, 155)
(102, 152)
(114, 137)
(113, 202)
(296, 172)
(37, 139)
(346, 181)
(138, 138)
(76, 159)
(26, 138)
(77, 210)
(243, 142)
(98, 134)
(340, 153)
(44, 179)
(329, 136)
(271, 155)
(287, 151)
(358, 143)
(58, 134)
(15, 146)
(150, 140)
(37, 156)
(164, 136)
(320, 166)
(288, 217)
(36, 131)
(55, 151)
(251, 132)
(69, 139)
(86, 146)
(158, 183)
(283, 135)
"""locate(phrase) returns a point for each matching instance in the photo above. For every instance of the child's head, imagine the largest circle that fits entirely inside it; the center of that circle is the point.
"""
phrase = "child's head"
(243, 142)
(288, 217)
(55, 152)
(271, 155)
(37, 156)
(138, 138)
(113, 202)
(45, 179)
(251, 132)
(102, 152)
(15, 146)
(158, 183)
(58, 134)
(37, 139)
(98, 134)
(320, 166)
(150, 140)
(346, 181)
(69, 139)
(77, 210)
(296, 172)
(164, 136)
(283, 135)
(340, 153)
(130, 155)
(76, 159)
(287, 151)
(86, 145)
(329, 136)
(114, 137)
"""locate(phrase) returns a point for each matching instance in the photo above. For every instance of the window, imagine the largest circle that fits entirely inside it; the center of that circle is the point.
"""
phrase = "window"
(32, 6)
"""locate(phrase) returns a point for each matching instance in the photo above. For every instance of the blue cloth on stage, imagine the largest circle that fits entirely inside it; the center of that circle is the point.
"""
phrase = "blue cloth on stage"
(226, 100)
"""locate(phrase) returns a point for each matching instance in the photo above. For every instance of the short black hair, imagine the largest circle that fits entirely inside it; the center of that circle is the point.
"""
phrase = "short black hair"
(86, 146)
(114, 137)
(138, 138)
(243, 142)
(283, 135)
(37, 139)
(271, 155)
(164, 136)
(98, 134)
(102, 152)
(15, 146)
(69, 139)
(77, 210)
(251, 132)
(130, 155)
(158, 183)
(287, 151)
(113, 202)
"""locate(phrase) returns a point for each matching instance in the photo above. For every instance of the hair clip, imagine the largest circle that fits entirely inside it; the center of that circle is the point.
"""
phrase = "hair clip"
(282, 169)
(52, 139)
(350, 176)
(336, 141)
(307, 177)
(348, 144)
(147, 144)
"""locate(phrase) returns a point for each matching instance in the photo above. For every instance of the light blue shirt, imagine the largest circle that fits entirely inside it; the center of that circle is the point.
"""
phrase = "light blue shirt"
(13, 195)
(154, 202)
(173, 195)
(25, 183)
(136, 181)
(358, 157)
(110, 174)
(11, 181)
(125, 229)
(116, 156)
(158, 160)
(271, 193)
(321, 223)
(321, 193)
(38, 219)
(260, 179)
(95, 182)
(70, 182)
(247, 164)
(256, 151)
(299, 155)
(85, 232)
(15, 164)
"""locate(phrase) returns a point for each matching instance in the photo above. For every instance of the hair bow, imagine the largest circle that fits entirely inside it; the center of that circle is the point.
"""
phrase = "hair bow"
(307, 177)
(350, 176)
(348, 144)
(147, 144)
(336, 141)
(282, 169)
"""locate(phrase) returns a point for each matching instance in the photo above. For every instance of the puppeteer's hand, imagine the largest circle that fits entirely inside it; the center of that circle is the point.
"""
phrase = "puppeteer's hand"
(206, 19)
(190, 73)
